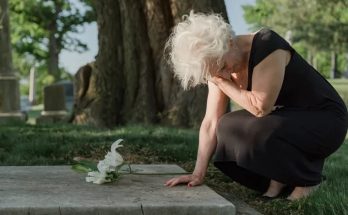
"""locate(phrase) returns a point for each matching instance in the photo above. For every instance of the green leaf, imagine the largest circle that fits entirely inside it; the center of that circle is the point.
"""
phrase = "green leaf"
(112, 175)
(80, 168)
(85, 166)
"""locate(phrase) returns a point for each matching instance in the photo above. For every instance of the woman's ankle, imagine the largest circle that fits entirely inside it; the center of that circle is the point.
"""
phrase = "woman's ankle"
(301, 192)
(274, 189)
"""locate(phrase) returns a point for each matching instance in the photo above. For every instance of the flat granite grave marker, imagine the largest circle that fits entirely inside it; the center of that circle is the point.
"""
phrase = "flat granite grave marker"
(62, 191)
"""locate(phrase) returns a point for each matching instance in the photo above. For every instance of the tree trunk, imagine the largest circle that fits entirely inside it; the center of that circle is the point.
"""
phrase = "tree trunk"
(310, 57)
(107, 77)
(141, 87)
(53, 49)
(5, 41)
(139, 101)
(53, 55)
(334, 71)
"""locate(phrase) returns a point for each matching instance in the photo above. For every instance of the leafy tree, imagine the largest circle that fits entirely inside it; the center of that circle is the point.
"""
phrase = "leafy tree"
(322, 25)
(43, 27)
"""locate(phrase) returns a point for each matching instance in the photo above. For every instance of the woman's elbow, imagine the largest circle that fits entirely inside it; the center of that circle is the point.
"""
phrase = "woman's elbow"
(259, 107)
(262, 111)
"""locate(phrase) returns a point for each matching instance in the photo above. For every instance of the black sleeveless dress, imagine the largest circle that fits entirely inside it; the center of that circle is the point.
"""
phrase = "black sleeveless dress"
(290, 144)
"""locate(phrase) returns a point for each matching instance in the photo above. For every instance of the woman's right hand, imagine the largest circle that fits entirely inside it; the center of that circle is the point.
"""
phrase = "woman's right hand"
(191, 180)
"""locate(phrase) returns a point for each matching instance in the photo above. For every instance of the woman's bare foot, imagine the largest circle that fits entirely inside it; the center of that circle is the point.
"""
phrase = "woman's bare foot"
(300, 192)
(274, 189)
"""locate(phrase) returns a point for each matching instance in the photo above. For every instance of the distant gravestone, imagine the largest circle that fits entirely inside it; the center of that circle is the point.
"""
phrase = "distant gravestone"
(9, 99)
(54, 105)
(9, 87)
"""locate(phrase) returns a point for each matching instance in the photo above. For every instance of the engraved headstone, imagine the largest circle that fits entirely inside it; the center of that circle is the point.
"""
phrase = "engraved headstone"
(54, 105)
(9, 87)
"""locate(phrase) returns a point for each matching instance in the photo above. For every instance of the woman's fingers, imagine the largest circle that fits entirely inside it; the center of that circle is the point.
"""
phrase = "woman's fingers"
(192, 180)
(170, 182)
(178, 180)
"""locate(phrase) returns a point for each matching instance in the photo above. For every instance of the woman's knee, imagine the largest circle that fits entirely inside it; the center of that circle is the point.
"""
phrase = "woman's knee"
(228, 124)
(223, 126)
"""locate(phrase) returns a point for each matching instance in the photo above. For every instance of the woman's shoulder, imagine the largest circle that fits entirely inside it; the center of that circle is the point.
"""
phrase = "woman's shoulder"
(266, 38)
(263, 30)
(265, 42)
(267, 34)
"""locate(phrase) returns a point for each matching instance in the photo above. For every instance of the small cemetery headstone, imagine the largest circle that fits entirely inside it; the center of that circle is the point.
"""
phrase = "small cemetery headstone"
(54, 105)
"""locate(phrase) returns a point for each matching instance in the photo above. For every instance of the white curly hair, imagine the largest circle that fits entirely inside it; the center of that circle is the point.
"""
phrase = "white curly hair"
(198, 39)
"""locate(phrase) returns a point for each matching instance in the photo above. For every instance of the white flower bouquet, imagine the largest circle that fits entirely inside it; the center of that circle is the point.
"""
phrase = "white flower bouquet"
(106, 170)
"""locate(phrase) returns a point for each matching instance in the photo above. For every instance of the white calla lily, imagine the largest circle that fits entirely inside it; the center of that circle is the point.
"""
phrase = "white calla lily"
(96, 177)
(115, 145)
(103, 166)
(110, 163)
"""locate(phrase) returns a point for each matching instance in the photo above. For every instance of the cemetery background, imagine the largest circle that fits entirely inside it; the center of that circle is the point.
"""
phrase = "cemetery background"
(57, 144)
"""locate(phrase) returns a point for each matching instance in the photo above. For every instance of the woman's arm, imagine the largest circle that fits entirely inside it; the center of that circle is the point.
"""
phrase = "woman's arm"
(216, 106)
(267, 80)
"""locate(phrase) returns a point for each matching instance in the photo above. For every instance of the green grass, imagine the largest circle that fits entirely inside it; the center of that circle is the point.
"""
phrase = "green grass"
(34, 113)
(341, 85)
(25, 144)
(330, 199)
(339, 81)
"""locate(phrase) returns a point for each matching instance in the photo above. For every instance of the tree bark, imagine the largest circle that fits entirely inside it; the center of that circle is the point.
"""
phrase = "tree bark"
(138, 68)
(310, 57)
(53, 46)
(334, 71)
(5, 41)
(107, 77)
(53, 55)
(135, 82)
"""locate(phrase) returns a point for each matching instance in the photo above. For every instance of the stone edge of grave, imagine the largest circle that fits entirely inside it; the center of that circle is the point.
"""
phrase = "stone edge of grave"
(222, 206)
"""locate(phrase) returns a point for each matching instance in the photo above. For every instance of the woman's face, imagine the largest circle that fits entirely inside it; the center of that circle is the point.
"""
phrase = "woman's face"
(230, 63)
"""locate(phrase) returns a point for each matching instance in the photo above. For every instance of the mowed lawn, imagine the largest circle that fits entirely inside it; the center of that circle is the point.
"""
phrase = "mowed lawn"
(24, 144)
(341, 85)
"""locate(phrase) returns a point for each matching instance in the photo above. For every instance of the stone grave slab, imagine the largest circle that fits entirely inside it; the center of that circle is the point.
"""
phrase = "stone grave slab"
(59, 190)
